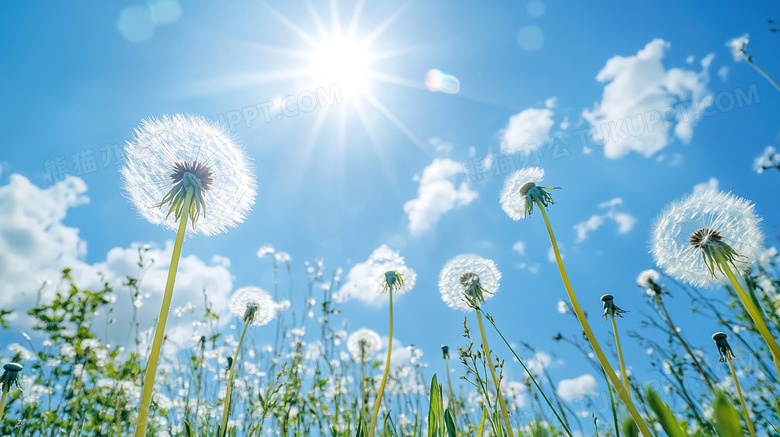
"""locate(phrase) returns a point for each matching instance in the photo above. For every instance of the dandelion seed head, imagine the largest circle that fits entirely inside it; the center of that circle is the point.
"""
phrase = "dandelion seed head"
(701, 221)
(645, 276)
(521, 191)
(462, 274)
(188, 151)
(253, 305)
(363, 344)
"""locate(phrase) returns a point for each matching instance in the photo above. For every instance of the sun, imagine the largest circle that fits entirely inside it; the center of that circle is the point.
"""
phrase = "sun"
(343, 61)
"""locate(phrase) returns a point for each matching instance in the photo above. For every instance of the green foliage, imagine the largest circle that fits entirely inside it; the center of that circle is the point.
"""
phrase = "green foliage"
(663, 414)
(725, 415)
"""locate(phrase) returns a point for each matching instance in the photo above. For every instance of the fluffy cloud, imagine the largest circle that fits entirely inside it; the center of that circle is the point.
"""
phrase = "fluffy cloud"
(519, 247)
(736, 45)
(643, 105)
(364, 280)
(576, 388)
(437, 195)
(624, 220)
(35, 246)
(711, 184)
(528, 130)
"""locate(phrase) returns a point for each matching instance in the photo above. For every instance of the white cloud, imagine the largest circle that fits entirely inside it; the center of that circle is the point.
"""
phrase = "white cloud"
(36, 246)
(576, 388)
(527, 130)
(565, 123)
(551, 102)
(640, 107)
(364, 280)
(723, 73)
(437, 195)
(711, 184)
(736, 45)
(442, 147)
(519, 247)
(690, 59)
(624, 220)
(532, 268)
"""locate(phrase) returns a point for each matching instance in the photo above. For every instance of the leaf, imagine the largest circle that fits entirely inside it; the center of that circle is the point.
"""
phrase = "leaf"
(481, 428)
(663, 414)
(434, 414)
(629, 428)
(450, 423)
(726, 417)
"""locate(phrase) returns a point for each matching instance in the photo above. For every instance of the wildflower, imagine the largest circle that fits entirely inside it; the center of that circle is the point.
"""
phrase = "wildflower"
(363, 344)
(610, 309)
(467, 281)
(521, 191)
(694, 236)
(769, 159)
(646, 276)
(179, 154)
(253, 305)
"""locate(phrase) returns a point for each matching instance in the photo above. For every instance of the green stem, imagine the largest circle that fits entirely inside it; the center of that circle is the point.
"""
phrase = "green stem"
(531, 376)
(741, 399)
(387, 370)
(363, 397)
(620, 356)
(761, 71)
(159, 333)
(504, 414)
(622, 393)
(2, 403)
(228, 390)
(752, 310)
(449, 385)
(685, 345)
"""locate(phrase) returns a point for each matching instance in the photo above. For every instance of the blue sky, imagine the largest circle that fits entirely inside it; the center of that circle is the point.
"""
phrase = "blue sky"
(336, 182)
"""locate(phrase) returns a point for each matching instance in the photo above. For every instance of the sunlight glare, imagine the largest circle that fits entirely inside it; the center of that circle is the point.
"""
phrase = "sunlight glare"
(342, 61)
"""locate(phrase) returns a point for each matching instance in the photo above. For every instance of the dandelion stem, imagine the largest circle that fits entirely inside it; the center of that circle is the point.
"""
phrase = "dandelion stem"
(2, 402)
(228, 390)
(453, 402)
(623, 373)
(760, 70)
(622, 393)
(159, 333)
(752, 309)
(493, 374)
(531, 376)
(741, 399)
(685, 346)
(387, 369)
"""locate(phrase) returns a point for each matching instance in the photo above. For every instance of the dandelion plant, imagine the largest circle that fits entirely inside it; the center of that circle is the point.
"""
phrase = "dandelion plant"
(611, 310)
(254, 306)
(177, 169)
(9, 377)
(708, 238)
(393, 281)
(726, 354)
(362, 345)
(465, 282)
(518, 197)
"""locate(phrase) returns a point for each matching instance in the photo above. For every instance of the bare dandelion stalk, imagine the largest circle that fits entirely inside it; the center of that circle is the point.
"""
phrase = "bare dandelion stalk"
(726, 354)
(611, 310)
(9, 377)
(381, 391)
(619, 387)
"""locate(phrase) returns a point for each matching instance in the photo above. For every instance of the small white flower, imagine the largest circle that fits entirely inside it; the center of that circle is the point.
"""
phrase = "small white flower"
(737, 46)
(363, 344)
(253, 305)
(690, 233)
(646, 275)
(468, 280)
(169, 156)
(521, 191)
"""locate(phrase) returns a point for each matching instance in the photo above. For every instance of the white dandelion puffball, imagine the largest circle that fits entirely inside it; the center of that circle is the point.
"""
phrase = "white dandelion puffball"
(514, 199)
(701, 218)
(453, 291)
(247, 297)
(165, 151)
(363, 344)
(645, 276)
